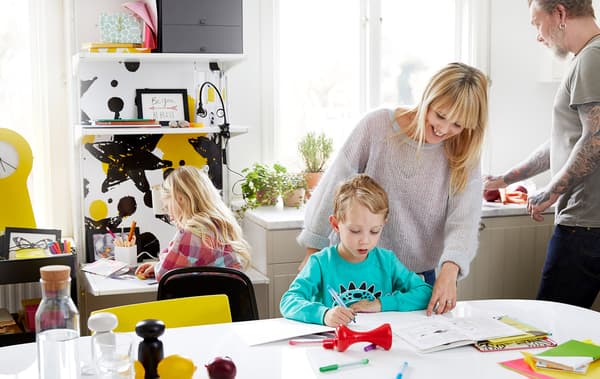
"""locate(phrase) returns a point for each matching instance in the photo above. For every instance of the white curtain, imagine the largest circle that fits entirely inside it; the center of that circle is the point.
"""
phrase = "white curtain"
(50, 131)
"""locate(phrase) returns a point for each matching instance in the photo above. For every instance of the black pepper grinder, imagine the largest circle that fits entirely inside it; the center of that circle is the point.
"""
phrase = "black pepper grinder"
(150, 350)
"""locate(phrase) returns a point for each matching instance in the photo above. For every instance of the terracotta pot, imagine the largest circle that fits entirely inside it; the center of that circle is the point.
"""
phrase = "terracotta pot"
(312, 179)
(294, 198)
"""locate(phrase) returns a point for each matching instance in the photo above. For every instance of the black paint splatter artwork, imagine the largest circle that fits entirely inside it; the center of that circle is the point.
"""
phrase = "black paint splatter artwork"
(126, 206)
(212, 152)
(110, 222)
(128, 157)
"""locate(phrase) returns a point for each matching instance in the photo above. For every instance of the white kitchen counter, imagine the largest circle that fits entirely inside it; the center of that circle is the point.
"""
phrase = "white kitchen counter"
(281, 218)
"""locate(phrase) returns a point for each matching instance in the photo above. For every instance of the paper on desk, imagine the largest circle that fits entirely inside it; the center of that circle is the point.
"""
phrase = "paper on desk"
(275, 329)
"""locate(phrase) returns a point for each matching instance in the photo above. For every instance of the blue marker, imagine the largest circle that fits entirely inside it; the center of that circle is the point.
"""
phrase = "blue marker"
(337, 299)
(402, 370)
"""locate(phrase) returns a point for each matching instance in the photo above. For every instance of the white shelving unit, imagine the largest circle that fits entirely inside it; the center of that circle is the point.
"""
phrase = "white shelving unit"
(88, 130)
(225, 61)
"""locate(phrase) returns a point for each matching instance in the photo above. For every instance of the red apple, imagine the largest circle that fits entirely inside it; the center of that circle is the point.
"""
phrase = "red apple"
(221, 368)
(521, 189)
(491, 195)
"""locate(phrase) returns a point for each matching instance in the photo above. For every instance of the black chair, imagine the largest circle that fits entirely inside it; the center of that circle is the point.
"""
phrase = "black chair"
(209, 280)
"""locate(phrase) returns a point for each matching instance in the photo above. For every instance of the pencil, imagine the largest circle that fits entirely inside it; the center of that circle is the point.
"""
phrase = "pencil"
(130, 236)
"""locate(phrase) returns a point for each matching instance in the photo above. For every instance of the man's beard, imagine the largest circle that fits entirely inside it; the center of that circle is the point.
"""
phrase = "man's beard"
(558, 50)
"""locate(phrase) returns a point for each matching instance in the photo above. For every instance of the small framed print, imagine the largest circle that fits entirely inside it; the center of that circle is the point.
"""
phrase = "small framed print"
(101, 244)
(163, 105)
(28, 242)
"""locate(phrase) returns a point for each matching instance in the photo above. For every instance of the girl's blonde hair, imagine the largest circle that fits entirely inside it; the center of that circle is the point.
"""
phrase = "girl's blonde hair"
(363, 189)
(461, 91)
(196, 205)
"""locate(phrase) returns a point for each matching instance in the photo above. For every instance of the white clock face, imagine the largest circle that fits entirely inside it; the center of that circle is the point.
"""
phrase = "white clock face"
(9, 159)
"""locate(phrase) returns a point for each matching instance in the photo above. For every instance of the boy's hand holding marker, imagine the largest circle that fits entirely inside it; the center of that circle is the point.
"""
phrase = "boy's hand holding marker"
(339, 315)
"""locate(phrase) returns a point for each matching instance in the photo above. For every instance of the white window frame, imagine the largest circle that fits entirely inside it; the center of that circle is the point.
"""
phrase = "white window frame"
(472, 47)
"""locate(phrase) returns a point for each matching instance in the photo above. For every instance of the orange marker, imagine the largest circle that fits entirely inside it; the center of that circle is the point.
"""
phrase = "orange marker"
(130, 236)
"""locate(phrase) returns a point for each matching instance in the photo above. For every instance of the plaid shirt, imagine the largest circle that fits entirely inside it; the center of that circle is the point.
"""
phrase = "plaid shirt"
(187, 249)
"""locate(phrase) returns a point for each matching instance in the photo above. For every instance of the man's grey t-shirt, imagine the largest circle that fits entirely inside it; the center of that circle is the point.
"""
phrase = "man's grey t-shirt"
(580, 205)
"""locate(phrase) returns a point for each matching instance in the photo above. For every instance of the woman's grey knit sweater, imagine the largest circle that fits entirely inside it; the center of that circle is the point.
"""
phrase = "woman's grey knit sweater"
(426, 225)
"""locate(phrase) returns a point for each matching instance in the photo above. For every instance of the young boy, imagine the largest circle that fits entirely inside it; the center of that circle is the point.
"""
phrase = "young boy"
(366, 278)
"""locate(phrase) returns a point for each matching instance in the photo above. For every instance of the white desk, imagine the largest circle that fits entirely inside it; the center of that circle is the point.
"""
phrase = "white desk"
(101, 292)
(279, 360)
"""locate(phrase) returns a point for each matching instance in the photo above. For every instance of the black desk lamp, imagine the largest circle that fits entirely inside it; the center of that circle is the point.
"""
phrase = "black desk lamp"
(224, 134)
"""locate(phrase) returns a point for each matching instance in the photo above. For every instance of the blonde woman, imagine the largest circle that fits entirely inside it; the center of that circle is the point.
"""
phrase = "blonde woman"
(427, 160)
(207, 232)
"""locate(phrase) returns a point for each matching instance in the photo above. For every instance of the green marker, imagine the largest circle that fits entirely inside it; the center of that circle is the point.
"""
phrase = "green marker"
(336, 366)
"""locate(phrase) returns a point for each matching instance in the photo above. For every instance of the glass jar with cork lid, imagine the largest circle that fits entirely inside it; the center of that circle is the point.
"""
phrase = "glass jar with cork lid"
(57, 325)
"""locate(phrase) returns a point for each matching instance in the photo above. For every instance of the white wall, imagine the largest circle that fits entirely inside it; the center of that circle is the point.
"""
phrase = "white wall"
(521, 96)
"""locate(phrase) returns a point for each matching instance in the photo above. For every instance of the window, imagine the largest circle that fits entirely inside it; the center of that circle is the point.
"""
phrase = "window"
(337, 59)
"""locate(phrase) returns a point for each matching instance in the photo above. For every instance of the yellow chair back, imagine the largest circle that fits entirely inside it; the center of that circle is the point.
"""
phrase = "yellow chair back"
(185, 311)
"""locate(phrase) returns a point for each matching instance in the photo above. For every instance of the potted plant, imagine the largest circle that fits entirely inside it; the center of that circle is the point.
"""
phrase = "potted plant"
(293, 187)
(261, 185)
(315, 149)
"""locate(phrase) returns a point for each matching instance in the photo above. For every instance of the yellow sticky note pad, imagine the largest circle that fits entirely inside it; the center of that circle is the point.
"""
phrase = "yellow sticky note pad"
(211, 94)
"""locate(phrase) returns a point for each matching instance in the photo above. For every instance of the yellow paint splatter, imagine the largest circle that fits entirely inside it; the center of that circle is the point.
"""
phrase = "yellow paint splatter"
(177, 149)
(98, 210)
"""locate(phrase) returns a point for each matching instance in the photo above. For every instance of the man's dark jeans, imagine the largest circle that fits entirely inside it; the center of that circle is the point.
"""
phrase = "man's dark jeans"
(571, 272)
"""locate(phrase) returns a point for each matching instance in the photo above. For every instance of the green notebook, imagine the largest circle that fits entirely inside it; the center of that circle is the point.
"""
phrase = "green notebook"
(573, 348)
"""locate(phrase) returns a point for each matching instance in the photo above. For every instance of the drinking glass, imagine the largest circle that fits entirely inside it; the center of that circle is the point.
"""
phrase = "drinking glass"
(114, 356)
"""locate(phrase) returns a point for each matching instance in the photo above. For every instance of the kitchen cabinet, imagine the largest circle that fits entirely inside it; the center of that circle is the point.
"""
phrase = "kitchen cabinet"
(509, 260)
(272, 232)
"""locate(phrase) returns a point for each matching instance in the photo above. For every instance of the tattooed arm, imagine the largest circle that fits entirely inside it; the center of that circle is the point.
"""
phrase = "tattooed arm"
(584, 158)
(537, 162)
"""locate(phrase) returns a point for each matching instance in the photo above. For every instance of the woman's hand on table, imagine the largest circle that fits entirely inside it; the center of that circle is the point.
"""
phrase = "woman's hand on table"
(443, 297)
(145, 270)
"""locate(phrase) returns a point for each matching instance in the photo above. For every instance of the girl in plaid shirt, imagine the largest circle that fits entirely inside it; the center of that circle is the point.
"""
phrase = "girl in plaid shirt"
(207, 232)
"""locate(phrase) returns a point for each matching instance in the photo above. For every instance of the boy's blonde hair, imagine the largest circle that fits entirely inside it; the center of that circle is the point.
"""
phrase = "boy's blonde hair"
(196, 205)
(362, 189)
(460, 90)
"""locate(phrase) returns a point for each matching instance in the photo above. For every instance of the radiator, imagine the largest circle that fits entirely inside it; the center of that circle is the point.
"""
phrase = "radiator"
(11, 295)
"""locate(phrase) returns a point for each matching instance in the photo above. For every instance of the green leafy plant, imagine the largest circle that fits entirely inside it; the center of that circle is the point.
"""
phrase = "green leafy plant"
(315, 149)
(262, 184)
(293, 189)
(291, 182)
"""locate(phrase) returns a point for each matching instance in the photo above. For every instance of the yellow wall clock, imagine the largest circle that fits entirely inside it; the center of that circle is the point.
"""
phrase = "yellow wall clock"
(16, 161)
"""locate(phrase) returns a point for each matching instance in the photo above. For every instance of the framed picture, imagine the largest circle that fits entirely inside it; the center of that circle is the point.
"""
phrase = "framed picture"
(101, 244)
(28, 242)
(163, 105)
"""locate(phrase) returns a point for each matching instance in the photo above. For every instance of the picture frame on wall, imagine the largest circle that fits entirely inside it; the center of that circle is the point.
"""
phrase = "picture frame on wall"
(22, 243)
(163, 105)
(100, 243)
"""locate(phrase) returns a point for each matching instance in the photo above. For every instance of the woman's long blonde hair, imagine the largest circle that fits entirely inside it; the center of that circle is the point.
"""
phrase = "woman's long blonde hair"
(460, 90)
(196, 205)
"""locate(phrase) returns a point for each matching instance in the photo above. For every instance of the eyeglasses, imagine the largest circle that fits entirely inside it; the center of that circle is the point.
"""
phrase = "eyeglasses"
(24, 243)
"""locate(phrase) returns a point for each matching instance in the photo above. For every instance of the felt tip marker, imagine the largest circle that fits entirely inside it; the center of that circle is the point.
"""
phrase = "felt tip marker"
(402, 371)
(337, 366)
(306, 341)
(337, 299)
